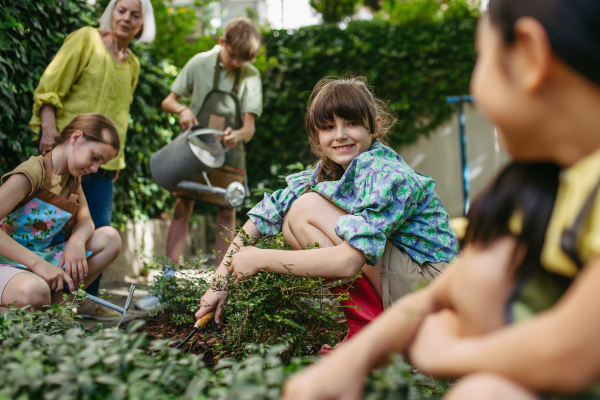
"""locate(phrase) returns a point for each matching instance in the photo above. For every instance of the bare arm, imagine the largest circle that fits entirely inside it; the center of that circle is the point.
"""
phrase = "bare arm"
(11, 193)
(341, 375)
(186, 117)
(49, 131)
(212, 298)
(74, 257)
(342, 261)
(557, 350)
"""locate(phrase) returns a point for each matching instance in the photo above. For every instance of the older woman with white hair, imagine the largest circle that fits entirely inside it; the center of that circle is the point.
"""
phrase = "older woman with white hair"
(95, 72)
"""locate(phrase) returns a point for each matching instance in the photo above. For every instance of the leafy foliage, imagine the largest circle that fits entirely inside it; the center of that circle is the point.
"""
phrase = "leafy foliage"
(31, 31)
(334, 10)
(413, 66)
(188, 25)
(267, 308)
(111, 364)
(426, 11)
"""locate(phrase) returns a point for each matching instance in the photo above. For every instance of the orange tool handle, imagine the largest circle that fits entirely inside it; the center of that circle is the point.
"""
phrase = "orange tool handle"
(202, 322)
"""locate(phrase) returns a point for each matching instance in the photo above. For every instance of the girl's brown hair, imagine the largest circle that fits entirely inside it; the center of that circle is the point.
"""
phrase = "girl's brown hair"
(350, 98)
(95, 127)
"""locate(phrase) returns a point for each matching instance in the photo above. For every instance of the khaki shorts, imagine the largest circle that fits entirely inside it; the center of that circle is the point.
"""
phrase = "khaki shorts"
(400, 274)
(6, 274)
(221, 177)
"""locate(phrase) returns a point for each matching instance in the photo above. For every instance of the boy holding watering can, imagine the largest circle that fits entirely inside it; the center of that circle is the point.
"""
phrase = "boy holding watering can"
(225, 93)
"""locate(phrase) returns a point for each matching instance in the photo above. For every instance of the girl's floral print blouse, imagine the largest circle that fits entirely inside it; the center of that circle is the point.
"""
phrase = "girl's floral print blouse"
(385, 200)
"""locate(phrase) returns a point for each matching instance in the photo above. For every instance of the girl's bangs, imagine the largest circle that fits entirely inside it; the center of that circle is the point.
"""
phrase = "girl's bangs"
(345, 101)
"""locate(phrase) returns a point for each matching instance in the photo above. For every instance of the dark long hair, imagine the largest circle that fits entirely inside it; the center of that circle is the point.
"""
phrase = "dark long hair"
(350, 98)
(573, 28)
(526, 191)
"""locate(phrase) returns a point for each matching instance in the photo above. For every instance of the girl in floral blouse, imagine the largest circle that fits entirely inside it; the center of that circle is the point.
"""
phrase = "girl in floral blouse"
(365, 207)
(42, 196)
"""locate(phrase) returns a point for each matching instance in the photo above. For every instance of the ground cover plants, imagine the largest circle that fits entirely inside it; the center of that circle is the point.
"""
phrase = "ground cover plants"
(266, 308)
(47, 355)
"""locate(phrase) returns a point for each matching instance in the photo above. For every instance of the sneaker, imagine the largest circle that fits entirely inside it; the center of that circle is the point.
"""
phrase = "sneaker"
(97, 312)
(147, 303)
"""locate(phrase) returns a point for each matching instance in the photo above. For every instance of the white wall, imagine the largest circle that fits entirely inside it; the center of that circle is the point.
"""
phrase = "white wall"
(439, 157)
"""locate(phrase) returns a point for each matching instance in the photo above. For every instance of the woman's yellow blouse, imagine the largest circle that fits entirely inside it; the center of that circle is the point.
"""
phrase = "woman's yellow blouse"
(83, 77)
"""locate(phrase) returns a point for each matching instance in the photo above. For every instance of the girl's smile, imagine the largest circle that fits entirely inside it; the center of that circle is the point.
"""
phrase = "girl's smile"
(344, 149)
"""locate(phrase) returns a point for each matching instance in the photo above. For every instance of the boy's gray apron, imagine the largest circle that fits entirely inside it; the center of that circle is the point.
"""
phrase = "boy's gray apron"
(221, 110)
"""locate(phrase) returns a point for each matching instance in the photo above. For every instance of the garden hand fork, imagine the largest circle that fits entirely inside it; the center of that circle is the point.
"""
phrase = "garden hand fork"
(200, 324)
(97, 300)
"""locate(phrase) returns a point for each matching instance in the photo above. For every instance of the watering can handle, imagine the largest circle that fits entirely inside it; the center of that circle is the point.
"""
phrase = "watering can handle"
(203, 131)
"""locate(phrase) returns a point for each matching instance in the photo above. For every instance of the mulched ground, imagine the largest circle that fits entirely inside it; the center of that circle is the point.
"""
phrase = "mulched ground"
(161, 327)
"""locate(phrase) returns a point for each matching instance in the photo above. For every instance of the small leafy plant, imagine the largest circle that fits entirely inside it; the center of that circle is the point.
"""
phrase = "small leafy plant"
(266, 308)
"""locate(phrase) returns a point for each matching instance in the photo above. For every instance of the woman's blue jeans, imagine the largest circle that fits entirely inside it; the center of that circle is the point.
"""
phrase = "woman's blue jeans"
(98, 190)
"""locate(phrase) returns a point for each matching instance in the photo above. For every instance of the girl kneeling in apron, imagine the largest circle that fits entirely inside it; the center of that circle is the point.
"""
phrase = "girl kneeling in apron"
(365, 207)
(43, 196)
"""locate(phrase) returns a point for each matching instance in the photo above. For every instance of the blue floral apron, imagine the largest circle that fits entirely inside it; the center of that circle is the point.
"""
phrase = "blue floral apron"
(35, 221)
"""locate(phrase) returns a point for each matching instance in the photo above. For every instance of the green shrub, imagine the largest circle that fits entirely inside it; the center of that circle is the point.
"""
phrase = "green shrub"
(413, 66)
(73, 364)
(267, 308)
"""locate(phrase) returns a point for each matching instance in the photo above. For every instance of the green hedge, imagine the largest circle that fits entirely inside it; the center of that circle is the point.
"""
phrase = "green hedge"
(413, 65)
(31, 32)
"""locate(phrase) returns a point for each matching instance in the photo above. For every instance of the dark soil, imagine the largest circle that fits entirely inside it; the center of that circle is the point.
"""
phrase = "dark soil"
(161, 327)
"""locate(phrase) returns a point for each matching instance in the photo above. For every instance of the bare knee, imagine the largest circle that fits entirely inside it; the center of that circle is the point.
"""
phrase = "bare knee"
(300, 211)
(109, 239)
(183, 209)
(34, 292)
(484, 386)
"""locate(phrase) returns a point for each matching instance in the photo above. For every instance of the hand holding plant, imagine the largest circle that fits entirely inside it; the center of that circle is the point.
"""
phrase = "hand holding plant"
(245, 263)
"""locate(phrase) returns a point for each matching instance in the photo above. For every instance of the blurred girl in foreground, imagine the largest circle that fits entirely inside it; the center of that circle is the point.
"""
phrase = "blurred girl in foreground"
(538, 79)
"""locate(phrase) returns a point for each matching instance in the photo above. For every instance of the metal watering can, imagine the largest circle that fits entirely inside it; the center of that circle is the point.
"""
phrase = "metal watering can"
(194, 154)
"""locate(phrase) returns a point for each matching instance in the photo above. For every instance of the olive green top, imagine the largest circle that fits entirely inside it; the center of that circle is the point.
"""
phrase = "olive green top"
(82, 78)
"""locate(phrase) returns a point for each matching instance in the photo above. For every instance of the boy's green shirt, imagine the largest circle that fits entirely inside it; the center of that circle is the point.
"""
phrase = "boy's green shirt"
(197, 76)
